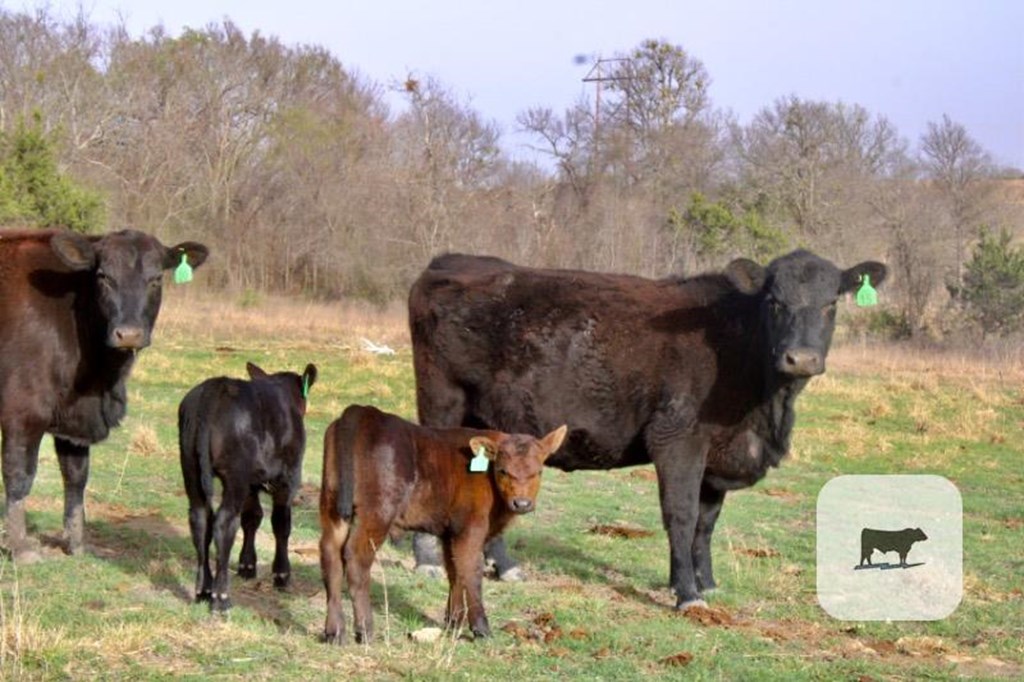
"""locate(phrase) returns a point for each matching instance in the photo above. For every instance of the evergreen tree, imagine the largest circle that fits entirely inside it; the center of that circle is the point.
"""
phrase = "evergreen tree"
(993, 284)
(33, 191)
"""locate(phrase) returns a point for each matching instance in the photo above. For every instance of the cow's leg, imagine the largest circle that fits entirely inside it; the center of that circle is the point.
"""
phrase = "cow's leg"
(20, 450)
(334, 533)
(252, 517)
(225, 527)
(281, 520)
(505, 567)
(426, 549)
(200, 525)
(465, 581)
(74, 469)
(365, 538)
(679, 460)
(710, 507)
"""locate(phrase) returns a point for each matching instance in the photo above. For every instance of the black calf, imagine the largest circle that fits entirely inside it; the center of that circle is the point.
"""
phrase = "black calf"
(250, 435)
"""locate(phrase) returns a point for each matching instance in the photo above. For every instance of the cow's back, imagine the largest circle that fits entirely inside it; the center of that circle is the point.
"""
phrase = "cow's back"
(527, 349)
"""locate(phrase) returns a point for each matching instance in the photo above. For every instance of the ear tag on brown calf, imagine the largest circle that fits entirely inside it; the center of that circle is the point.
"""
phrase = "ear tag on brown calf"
(479, 463)
(183, 273)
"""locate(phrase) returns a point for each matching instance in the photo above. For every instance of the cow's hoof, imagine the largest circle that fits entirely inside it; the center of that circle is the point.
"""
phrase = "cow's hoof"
(691, 603)
(220, 604)
(512, 575)
(281, 580)
(363, 637)
(430, 570)
(247, 571)
(204, 596)
(337, 638)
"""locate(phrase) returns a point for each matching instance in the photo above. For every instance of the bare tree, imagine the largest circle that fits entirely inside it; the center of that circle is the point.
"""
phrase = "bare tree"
(818, 162)
(957, 165)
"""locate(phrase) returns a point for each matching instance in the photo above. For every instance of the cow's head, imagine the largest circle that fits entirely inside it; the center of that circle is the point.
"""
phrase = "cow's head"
(518, 461)
(297, 385)
(127, 268)
(797, 294)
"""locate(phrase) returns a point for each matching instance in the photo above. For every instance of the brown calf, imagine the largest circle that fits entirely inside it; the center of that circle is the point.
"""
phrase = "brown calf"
(381, 471)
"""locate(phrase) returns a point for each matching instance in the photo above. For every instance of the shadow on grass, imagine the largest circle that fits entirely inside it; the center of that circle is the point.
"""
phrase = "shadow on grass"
(886, 566)
(589, 567)
(134, 543)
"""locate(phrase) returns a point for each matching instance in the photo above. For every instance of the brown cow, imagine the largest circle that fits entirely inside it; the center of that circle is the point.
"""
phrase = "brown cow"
(381, 471)
(74, 311)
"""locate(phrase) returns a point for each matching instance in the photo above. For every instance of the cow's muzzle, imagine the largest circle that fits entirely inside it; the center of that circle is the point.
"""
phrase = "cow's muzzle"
(125, 337)
(801, 362)
(521, 505)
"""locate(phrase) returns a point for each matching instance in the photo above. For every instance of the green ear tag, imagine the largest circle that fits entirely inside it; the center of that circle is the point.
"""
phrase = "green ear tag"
(305, 387)
(479, 463)
(866, 295)
(183, 273)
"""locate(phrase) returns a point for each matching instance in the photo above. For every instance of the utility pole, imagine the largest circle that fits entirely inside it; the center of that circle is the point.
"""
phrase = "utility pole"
(598, 75)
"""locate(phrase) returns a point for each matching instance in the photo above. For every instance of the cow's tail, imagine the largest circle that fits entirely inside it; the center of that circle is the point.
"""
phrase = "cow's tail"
(340, 455)
(196, 458)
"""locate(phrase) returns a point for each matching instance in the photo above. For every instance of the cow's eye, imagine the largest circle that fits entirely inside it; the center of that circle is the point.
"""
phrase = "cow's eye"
(829, 309)
(774, 307)
(103, 278)
(503, 472)
(154, 282)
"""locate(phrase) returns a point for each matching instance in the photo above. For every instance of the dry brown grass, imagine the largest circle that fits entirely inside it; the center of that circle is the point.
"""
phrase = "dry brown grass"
(924, 366)
(214, 319)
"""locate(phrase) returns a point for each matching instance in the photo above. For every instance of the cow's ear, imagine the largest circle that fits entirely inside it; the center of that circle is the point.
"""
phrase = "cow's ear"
(553, 440)
(74, 250)
(851, 279)
(195, 252)
(309, 376)
(483, 445)
(746, 275)
(254, 371)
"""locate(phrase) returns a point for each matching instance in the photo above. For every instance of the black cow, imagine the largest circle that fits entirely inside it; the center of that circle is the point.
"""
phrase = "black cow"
(74, 311)
(250, 435)
(699, 376)
(899, 541)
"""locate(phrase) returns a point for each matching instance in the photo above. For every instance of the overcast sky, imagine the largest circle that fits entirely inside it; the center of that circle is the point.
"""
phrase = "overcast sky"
(908, 60)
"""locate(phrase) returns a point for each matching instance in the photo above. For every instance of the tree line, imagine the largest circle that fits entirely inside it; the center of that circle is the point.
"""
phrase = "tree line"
(295, 171)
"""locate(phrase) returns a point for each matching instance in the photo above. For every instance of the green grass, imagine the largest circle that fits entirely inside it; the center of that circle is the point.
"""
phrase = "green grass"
(596, 607)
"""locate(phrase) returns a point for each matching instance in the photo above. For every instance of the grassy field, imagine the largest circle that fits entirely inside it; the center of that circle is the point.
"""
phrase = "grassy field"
(596, 605)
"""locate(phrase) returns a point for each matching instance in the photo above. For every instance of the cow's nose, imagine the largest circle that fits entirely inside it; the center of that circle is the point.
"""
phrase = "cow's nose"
(521, 505)
(128, 338)
(802, 362)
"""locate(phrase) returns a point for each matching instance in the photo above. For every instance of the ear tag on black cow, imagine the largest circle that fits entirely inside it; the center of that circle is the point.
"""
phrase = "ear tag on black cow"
(866, 295)
(479, 463)
(305, 387)
(183, 273)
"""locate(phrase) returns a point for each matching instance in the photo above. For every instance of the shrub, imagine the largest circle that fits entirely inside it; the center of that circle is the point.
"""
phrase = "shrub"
(993, 284)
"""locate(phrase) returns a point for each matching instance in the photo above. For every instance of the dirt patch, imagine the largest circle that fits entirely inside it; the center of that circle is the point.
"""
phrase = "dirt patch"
(644, 474)
(620, 530)
(679, 660)
(542, 628)
(757, 552)
(709, 616)
(781, 493)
